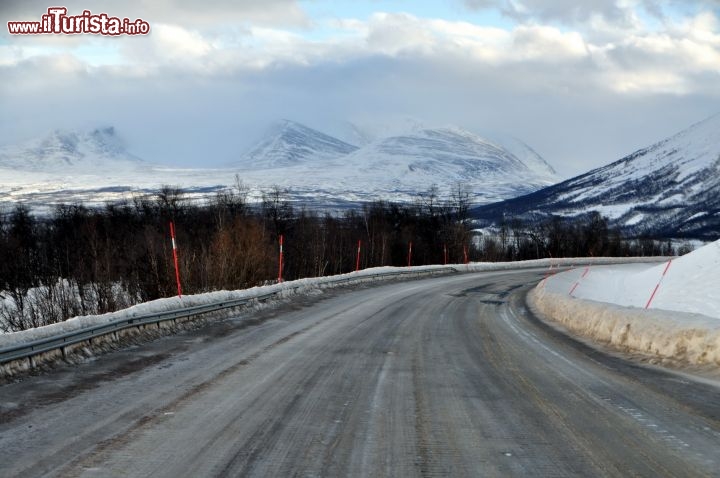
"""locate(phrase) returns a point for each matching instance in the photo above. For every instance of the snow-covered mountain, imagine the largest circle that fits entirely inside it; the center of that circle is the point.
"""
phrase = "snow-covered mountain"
(671, 188)
(364, 131)
(70, 152)
(288, 143)
(443, 156)
(314, 167)
(395, 167)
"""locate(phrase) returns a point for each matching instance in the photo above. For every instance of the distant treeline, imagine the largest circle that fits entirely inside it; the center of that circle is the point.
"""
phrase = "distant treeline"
(82, 260)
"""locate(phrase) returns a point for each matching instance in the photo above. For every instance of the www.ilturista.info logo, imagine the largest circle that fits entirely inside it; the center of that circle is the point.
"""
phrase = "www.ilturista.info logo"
(58, 22)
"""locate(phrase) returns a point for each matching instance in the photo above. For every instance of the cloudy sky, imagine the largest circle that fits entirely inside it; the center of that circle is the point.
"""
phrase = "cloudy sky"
(582, 82)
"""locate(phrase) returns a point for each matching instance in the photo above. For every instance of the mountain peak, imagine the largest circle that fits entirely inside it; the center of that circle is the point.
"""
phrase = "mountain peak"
(63, 150)
(439, 151)
(289, 143)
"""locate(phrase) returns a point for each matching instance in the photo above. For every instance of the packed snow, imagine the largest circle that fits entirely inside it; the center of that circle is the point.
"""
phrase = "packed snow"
(612, 304)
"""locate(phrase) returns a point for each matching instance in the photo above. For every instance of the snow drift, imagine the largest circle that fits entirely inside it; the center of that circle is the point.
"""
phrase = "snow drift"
(608, 305)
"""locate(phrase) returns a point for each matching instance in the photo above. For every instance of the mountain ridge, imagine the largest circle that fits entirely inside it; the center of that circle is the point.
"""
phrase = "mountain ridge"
(396, 166)
(670, 188)
(315, 166)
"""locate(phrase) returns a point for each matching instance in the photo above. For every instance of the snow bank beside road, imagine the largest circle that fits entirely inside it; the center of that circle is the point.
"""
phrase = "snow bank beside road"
(684, 337)
(691, 283)
(608, 305)
(286, 289)
(175, 303)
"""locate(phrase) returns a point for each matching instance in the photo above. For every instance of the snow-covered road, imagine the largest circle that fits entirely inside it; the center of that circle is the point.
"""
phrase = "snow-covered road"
(451, 376)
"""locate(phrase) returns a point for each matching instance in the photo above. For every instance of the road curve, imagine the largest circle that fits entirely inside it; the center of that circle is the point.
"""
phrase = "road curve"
(450, 376)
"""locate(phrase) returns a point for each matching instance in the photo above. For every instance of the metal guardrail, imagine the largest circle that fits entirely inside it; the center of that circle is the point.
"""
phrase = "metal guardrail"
(59, 342)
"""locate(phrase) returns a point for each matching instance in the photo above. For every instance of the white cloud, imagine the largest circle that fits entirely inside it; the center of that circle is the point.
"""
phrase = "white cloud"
(170, 46)
(546, 43)
(638, 60)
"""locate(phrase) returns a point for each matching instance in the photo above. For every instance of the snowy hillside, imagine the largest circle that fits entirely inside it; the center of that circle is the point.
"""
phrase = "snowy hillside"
(670, 188)
(63, 152)
(288, 143)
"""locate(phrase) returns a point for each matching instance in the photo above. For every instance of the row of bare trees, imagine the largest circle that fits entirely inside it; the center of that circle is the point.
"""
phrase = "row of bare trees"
(584, 236)
(81, 260)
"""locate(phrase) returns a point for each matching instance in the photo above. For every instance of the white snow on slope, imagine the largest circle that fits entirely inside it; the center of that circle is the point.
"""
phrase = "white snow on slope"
(608, 305)
(691, 284)
(670, 182)
(71, 152)
(398, 167)
(288, 143)
(686, 153)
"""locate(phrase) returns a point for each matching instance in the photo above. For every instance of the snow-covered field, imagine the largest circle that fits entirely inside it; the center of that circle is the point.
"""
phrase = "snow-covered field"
(608, 304)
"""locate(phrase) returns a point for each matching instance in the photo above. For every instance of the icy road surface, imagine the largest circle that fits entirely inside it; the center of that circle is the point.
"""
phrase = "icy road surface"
(449, 376)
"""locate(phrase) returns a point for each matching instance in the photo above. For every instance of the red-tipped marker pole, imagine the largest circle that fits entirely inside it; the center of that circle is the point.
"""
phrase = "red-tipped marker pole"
(465, 254)
(652, 296)
(280, 260)
(175, 259)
